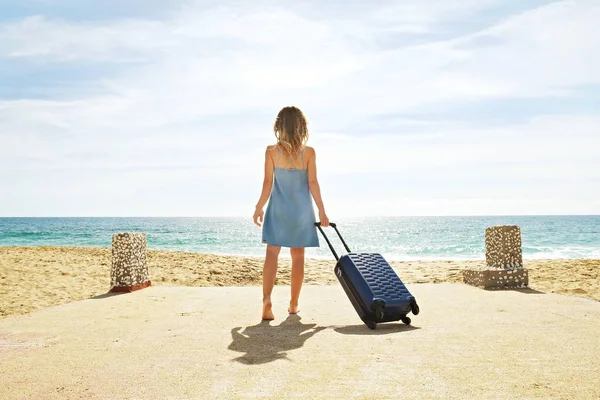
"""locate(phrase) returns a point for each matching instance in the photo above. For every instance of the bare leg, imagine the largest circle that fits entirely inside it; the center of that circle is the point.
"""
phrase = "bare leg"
(269, 275)
(297, 277)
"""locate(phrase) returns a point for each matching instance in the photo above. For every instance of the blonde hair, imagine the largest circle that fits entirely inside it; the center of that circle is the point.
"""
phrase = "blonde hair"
(291, 130)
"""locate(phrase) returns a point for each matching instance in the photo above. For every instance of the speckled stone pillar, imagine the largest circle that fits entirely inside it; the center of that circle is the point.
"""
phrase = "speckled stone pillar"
(129, 270)
(503, 247)
(504, 261)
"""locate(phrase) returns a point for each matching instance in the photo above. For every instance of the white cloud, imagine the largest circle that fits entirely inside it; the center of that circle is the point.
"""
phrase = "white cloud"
(540, 51)
(422, 15)
(169, 126)
(67, 41)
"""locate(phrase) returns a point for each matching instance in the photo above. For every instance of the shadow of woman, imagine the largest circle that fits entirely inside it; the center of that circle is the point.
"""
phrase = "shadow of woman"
(263, 343)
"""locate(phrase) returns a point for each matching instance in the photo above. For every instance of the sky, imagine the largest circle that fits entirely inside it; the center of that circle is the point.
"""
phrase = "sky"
(415, 107)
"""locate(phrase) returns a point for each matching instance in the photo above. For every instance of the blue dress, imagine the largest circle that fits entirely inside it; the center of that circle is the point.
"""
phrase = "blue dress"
(290, 217)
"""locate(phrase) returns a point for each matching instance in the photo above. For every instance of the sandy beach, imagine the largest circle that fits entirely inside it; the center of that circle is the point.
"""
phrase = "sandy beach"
(32, 278)
(196, 333)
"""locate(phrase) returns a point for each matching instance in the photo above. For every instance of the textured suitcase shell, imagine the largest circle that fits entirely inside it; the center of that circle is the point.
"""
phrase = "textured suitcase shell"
(373, 287)
(368, 279)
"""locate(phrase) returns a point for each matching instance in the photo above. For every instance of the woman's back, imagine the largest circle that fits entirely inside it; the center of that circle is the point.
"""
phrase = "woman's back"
(282, 160)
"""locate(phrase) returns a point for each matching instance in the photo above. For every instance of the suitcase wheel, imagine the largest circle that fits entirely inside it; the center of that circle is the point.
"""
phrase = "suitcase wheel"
(415, 309)
(379, 313)
(371, 325)
(414, 306)
(379, 309)
(406, 320)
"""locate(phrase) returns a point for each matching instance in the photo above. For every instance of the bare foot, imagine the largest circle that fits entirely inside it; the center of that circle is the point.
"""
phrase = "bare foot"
(267, 314)
(293, 309)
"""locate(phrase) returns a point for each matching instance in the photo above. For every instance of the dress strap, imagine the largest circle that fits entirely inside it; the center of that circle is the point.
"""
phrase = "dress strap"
(277, 158)
(302, 157)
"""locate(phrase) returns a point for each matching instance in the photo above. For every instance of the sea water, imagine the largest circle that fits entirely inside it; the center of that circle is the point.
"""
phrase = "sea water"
(397, 238)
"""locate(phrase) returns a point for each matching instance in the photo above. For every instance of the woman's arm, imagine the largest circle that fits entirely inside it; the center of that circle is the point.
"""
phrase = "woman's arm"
(267, 181)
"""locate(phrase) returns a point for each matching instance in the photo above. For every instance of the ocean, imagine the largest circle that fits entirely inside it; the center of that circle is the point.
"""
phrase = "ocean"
(396, 238)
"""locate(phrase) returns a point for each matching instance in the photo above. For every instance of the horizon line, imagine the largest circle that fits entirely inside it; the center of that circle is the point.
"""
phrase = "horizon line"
(342, 217)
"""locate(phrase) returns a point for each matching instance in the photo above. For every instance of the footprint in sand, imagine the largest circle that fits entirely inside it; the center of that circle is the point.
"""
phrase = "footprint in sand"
(578, 291)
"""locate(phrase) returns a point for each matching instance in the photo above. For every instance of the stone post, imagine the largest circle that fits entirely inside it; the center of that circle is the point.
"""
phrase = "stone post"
(129, 270)
(503, 247)
(504, 261)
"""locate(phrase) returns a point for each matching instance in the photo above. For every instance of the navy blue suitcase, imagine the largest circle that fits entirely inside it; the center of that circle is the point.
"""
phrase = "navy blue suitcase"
(373, 287)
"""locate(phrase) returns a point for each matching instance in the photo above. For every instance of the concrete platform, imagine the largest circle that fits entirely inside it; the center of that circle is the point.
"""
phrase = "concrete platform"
(207, 343)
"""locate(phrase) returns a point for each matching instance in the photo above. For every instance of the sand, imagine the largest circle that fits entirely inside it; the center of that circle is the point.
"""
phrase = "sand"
(186, 337)
(32, 278)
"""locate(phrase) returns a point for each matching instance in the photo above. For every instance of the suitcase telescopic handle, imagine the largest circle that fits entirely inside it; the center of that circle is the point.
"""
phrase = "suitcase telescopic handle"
(334, 226)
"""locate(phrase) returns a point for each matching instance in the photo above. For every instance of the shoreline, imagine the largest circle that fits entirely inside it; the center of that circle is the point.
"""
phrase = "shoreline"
(285, 254)
(36, 277)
